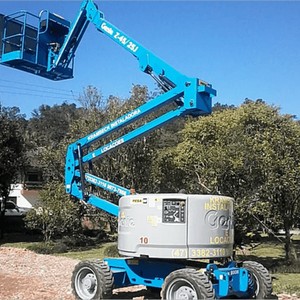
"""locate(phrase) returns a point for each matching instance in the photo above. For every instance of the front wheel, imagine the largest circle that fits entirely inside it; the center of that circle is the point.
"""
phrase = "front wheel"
(259, 280)
(187, 284)
(92, 280)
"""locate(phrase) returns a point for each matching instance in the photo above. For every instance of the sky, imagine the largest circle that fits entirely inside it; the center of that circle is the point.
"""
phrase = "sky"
(245, 49)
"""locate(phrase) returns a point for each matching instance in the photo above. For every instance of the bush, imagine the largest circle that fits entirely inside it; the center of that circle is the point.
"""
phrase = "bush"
(111, 251)
(73, 242)
(48, 247)
(56, 214)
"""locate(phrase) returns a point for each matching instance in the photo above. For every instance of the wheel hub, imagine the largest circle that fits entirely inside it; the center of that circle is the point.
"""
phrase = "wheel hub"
(185, 293)
(86, 283)
(89, 282)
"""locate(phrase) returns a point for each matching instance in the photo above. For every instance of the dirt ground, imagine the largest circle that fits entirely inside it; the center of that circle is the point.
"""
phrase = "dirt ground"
(25, 275)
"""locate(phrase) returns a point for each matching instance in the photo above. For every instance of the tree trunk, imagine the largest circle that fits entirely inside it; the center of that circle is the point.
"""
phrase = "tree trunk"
(1, 223)
(290, 252)
(2, 216)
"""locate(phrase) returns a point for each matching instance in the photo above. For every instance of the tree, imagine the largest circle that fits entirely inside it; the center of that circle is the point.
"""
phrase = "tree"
(91, 99)
(49, 125)
(251, 153)
(46, 132)
(219, 107)
(56, 215)
(11, 152)
(166, 177)
(125, 166)
(282, 167)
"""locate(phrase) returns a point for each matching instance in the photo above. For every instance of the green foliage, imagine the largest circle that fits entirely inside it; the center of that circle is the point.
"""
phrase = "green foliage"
(124, 166)
(80, 241)
(251, 153)
(67, 243)
(48, 247)
(56, 215)
(91, 99)
(11, 153)
(111, 250)
(49, 125)
(45, 136)
(77, 242)
(11, 147)
(165, 175)
(219, 107)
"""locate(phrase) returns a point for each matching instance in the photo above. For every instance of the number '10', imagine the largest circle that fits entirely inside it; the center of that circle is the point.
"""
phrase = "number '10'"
(144, 240)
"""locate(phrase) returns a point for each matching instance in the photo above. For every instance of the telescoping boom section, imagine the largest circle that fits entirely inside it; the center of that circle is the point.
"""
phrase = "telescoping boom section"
(45, 45)
(190, 95)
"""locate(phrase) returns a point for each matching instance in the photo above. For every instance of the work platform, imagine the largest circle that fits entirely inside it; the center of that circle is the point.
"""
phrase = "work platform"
(30, 42)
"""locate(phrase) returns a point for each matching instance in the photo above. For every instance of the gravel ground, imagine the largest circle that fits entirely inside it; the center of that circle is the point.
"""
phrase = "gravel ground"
(25, 275)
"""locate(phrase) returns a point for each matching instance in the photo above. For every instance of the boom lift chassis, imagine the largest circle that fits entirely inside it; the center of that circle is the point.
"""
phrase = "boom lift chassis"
(45, 45)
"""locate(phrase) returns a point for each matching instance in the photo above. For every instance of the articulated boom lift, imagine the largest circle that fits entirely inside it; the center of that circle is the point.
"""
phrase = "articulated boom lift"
(163, 237)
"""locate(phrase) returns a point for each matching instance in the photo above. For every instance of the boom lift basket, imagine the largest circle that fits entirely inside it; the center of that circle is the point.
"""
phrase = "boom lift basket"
(28, 42)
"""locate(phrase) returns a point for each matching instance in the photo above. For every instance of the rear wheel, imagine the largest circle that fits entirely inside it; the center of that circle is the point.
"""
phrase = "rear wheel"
(260, 282)
(92, 280)
(187, 284)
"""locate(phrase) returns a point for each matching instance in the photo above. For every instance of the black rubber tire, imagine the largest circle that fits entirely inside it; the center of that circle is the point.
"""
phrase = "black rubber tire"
(260, 281)
(92, 280)
(187, 284)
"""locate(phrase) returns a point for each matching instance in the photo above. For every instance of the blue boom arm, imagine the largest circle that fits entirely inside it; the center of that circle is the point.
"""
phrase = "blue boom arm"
(167, 76)
(191, 95)
(49, 50)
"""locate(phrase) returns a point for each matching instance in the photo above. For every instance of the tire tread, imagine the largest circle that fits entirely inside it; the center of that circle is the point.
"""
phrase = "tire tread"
(103, 273)
(264, 274)
(205, 286)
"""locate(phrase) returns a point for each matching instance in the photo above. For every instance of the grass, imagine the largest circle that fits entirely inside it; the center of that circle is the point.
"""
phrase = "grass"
(263, 250)
(268, 254)
(286, 283)
(286, 278)
(25, 245)
(99, 252)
